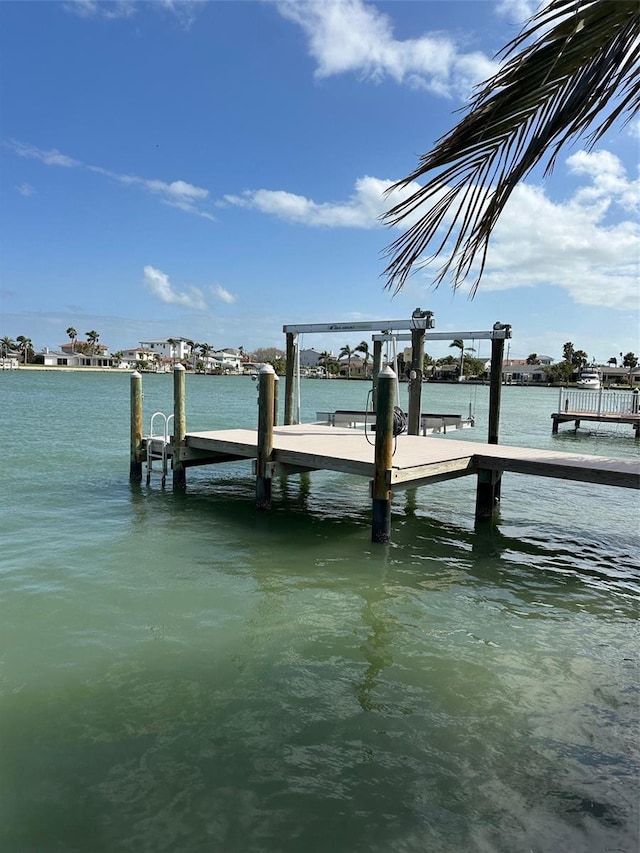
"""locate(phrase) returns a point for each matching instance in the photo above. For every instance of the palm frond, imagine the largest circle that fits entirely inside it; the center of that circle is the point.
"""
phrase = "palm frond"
(572, 72)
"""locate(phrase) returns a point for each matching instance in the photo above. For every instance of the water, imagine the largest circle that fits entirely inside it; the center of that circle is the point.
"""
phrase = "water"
(187, 674)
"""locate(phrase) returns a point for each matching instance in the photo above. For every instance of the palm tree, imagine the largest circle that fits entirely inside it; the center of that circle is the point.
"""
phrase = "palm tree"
(74, 337)
(7, 344)
(92, 339)
(324, 359)
(24, 345)
(363, 347)
(205, 352)
(571, 73)
(459, 344)
(192, 348)
(348, 352)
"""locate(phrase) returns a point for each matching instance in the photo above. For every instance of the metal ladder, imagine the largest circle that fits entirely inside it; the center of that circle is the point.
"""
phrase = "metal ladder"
(157, 446)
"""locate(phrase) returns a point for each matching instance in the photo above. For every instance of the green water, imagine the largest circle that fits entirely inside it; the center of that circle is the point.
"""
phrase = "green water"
(187, 674)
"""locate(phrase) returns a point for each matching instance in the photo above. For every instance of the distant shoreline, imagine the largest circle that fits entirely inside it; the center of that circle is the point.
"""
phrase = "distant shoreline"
(67, 368)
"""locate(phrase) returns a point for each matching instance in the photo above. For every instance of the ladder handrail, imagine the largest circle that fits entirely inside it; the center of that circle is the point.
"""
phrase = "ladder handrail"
(165, 440)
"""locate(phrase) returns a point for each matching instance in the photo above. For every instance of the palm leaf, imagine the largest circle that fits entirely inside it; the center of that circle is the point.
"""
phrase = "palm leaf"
(576, 78)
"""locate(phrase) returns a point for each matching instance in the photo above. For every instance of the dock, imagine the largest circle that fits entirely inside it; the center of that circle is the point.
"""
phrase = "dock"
(392, 455)
(416, 461)
(602, 406)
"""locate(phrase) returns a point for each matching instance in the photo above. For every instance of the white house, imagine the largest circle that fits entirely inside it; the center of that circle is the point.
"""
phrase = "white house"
(310, 357)
(175, 349)
(97, 358)
(57, 358)
(228, 360)
(139, 356)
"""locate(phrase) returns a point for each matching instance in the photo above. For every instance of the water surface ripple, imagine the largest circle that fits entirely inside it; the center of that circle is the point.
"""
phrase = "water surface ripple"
(186, 674)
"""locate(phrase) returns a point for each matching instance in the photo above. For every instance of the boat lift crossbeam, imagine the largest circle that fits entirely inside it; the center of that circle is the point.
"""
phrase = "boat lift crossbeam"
(419, 320)
(493, 335)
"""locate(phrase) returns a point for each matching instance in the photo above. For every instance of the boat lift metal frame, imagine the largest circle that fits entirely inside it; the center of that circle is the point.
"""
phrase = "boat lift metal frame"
(418, 325)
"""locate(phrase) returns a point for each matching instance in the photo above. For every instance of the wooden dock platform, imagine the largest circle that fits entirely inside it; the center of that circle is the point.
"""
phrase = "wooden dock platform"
(417, 460)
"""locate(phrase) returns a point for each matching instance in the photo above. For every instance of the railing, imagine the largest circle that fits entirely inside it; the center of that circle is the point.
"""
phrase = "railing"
(157, 445)
(602, 402)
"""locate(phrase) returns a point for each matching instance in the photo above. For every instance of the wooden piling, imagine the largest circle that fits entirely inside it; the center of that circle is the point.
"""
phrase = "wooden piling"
(489, 482)
(415, 381)
(179, 427)
(135, 465)
(381, 488)
(377, 365)
(495, 386)
(266, 381)
(289, 376)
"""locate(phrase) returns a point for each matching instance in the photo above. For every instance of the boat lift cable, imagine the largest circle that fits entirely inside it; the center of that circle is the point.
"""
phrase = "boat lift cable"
(399, 423)
(298, 348)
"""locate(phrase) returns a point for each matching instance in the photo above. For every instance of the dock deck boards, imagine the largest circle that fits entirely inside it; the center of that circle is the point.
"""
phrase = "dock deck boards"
(416, 459)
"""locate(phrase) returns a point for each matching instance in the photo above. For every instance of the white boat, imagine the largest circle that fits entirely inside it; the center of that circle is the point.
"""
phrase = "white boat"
(589, 379)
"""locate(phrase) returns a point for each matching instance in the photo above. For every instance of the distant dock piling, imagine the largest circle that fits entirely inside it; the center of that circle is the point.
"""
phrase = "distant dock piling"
(266, 416)
(179, 427)
(381, 486)
(135, 465)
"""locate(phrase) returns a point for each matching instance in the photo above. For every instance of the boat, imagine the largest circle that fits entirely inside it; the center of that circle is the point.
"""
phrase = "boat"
(589, 379)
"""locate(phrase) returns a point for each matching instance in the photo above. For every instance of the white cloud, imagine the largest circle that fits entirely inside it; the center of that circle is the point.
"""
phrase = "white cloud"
(180, 194)
(93, 9)
(567, 244)
(49, 158)
(223, 294)
(349, 36)
(582, 244)
(183, 10)
(362, 210)
(610, 182)
(26, 190)
(519, 11)
(159, 284)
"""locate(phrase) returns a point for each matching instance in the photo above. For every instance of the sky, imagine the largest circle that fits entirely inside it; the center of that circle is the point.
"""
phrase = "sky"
(214, 170)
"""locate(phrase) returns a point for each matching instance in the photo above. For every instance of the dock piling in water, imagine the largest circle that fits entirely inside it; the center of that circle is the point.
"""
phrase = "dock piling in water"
(489, 482)
(415, 381)
(381, 487)
(266, 395)
(291, 339)
(135, 466)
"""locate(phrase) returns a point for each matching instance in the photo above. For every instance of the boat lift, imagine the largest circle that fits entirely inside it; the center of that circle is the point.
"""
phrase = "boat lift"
(419, 327)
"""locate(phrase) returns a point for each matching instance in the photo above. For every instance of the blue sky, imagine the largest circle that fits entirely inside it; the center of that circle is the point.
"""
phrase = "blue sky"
(215, 169)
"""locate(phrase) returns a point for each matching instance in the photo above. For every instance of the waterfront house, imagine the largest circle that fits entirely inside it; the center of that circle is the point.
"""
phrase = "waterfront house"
(228, 360)
(518, 372)
(75, 357)
(358, 369)
(173, 349)
(145, 359)
(310, 357)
